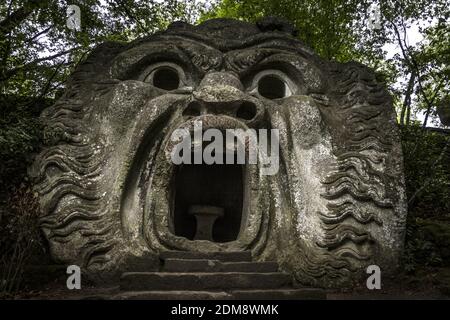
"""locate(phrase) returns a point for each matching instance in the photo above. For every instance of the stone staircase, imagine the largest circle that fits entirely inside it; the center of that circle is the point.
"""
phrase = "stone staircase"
(217, 275)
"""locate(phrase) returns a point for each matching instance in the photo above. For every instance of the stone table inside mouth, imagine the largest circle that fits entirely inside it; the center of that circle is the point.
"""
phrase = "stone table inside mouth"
(205, 217)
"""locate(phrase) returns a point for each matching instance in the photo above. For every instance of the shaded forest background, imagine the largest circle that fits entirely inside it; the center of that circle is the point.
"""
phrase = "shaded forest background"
(38, 52)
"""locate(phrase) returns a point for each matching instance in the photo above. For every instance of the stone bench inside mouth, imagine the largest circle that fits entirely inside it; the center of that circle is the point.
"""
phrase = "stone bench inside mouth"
(205, 217)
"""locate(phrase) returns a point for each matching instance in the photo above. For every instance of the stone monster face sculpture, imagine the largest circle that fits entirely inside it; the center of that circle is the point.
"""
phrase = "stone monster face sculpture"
(108, 191)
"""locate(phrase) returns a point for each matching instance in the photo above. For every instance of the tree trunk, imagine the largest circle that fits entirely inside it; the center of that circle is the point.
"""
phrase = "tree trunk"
(406, 107)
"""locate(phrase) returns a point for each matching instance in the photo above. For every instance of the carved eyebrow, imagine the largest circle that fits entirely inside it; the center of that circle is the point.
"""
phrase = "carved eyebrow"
(189, 55)
(199, 52)
(243, 60)
(205, 59)
(131, 62)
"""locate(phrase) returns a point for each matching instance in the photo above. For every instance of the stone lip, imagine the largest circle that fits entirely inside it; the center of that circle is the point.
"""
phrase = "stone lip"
(209, 121)
(205, 265)
(222, 256)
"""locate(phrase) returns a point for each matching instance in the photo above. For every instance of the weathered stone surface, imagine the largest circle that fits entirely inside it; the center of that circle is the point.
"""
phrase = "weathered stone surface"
(135, 281)
(107, 190)
(443, 111)
(145, 263)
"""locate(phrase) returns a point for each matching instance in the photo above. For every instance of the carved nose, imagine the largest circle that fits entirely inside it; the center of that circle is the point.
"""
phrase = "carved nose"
(221, 93)
(213, 79)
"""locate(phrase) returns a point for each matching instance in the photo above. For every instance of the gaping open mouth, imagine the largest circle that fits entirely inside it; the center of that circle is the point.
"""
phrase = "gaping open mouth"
(208, 201)
(191, 205)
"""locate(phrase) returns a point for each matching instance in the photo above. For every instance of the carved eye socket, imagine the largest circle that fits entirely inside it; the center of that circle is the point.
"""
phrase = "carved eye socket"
(272, 84)
(166, 76)
(271, 87)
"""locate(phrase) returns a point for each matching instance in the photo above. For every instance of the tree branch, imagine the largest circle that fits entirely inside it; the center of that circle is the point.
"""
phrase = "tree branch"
(49, 82)
(411, 62)
(131, 15)
(407, 100)
(39, 34)
(427, 114)
(15, 18)
(9, 73)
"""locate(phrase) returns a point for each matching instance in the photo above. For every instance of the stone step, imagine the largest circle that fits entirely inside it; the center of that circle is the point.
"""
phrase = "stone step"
(145, 263)
(138, 281)
(173, 295)
(222, 256)
(280, 294)
(203, 265)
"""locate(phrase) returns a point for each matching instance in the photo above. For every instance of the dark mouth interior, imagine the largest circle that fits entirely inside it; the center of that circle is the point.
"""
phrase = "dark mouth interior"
(219, 186)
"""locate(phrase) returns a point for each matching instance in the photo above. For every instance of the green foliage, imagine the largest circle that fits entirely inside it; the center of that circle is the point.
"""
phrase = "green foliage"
(427, 169)
(20, 137)
(326, 26)
(427, 175)
(20, 238)
(38, 51)
(340, 30)
(427, 243)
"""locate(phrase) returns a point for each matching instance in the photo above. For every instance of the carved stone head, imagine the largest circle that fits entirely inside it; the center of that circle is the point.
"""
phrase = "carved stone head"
(108, 191)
